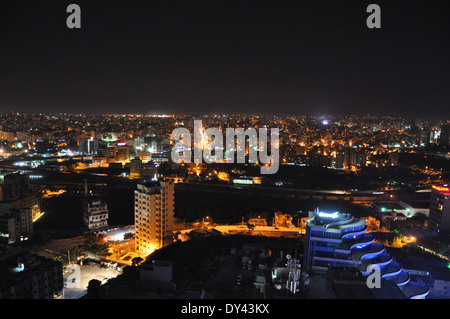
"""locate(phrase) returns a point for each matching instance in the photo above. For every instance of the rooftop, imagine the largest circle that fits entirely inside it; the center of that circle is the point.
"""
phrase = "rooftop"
(7, 210)
(151, 187)
(419, 204)
(325, 218)
(349, 283)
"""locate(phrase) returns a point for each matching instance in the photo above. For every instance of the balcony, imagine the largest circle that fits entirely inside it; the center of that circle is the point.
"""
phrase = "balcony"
(401, 279)
(415, 290)
(369, 251)
(358, 242)
(381, 260)
(352, 233)
(391, 269)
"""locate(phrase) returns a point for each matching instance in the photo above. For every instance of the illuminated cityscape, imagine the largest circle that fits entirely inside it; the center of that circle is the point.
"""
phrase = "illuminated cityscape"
(320, 169)
(122, 199)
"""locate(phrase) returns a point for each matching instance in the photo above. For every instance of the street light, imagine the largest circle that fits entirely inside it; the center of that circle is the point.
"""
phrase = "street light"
(203, 221)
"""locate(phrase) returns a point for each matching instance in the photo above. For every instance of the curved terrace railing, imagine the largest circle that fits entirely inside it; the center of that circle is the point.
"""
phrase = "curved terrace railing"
(381, 260)
(370, 251)
(391, 269)
(401, 279)
(349, 243)
(415, 290)
(353, 232)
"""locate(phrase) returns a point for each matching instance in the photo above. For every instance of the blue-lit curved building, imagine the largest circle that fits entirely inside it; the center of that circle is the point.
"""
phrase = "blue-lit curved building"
(339, 240)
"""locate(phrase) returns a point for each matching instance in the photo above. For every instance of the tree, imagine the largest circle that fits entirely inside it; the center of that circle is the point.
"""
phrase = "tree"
(98, 249)
(96, 245)
(94, 288)
(136, 261)
(128, 236)
(76, 252)
(397, 242)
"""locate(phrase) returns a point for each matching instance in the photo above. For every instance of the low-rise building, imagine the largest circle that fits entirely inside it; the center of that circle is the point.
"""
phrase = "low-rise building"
(15, 224)
(439, 217)
(155, 282)
(31, 277)
(257, 221)
(399, 207)
(282, 220)
(30, 201)
(95, 213)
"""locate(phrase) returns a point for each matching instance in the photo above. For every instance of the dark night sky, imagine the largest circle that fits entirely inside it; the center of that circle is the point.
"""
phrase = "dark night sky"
(274, 57)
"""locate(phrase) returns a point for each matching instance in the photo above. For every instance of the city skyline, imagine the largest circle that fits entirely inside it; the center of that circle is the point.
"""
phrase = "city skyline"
(283, 58)
(94, 181)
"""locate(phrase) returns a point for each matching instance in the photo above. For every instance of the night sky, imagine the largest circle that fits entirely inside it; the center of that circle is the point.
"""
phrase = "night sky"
(262, 57)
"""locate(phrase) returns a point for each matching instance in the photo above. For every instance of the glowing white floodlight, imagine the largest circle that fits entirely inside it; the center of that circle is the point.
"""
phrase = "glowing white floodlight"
(329, 215)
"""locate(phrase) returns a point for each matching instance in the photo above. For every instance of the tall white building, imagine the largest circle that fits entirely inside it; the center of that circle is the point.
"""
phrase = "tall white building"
(15, 224)
(153, 215)
(95, 214)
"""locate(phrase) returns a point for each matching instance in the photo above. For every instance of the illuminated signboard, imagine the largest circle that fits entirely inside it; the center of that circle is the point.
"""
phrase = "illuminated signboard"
(243, 181)
(441, 188)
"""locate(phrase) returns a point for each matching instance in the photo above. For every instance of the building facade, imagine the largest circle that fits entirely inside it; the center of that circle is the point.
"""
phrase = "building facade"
(95, 214)
(32, 202)
(136, 168)
(15, 224)
(35, 277)
(439, 218)
(115, 154)
(88, 146)
(153, 213)
(15, 186)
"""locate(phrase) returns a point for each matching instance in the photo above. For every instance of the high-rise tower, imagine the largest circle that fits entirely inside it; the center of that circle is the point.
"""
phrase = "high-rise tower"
(339, 240)
(153, 214)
